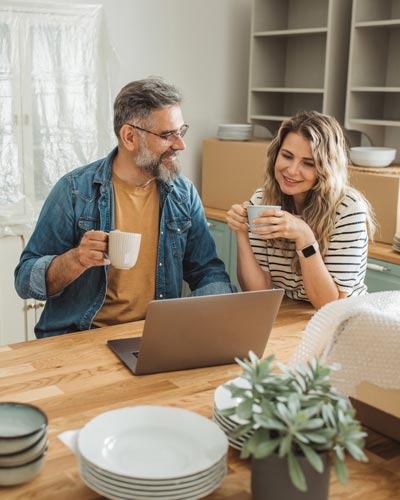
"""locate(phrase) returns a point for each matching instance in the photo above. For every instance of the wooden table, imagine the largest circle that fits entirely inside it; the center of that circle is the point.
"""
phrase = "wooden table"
(75, 377)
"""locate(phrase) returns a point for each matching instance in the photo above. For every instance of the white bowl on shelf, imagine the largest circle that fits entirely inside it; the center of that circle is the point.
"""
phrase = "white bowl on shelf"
(372, 156)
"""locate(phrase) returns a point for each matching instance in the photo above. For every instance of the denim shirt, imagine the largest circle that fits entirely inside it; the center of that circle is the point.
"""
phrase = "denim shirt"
(83, 200)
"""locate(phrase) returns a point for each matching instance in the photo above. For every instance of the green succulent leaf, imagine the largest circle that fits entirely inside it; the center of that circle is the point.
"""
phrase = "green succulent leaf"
(266, 448)
(269, 423)
(244, 409)
(296, 474)
(285, 445)
(355, 451)
(341, 470)
(313, 458)
(315, 437)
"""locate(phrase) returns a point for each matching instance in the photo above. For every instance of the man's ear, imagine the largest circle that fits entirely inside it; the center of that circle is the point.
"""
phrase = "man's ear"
(128, 137)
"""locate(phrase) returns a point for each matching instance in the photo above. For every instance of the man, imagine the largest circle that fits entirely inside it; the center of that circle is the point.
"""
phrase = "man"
(136, 188)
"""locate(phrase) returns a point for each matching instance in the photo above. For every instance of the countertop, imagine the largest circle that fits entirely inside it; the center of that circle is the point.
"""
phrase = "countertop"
(376, 250)
(75, 377)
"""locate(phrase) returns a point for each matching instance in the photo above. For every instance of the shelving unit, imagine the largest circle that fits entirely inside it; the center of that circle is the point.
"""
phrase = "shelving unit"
(373, 88)
(298, 59)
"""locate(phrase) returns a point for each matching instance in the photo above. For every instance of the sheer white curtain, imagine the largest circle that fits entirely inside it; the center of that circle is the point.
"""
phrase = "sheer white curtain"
(55, 102)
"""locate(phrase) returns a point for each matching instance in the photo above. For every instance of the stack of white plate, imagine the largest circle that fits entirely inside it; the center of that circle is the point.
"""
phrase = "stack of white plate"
(222, 401)
(396, 242)
(152, 452)
(235, 132)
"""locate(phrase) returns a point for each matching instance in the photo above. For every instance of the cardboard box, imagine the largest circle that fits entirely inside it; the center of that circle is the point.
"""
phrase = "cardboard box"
(381, 187)
(378, 408)
(232, 171)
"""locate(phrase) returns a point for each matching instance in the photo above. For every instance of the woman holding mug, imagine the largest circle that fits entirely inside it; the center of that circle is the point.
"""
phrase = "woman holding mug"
(315, 247)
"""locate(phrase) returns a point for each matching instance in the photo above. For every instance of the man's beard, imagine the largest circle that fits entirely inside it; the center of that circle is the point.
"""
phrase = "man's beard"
(153, 166)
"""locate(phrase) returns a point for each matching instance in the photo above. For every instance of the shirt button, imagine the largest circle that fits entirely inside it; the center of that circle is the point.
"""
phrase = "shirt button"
(162, 232)
(179, 230)
(160, 264)
(161, 295)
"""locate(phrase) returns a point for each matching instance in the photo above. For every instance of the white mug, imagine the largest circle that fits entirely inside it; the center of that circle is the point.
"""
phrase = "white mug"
(253, 212)
(123, 248)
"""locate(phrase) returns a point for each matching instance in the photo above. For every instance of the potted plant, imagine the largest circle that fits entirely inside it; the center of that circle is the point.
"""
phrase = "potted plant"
(298, 420)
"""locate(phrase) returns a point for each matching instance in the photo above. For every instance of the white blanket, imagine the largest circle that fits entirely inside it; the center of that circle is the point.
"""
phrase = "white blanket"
(361, 335)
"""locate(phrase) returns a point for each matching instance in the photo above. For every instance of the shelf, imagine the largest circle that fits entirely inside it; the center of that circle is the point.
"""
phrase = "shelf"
(297, 90)
(288, 33)
(373, 88)
(371, 11)
(379, 24)
(298, 59)
(280, 15)
(289, 62)
(381, 123)
(284, 103)
(270, 117)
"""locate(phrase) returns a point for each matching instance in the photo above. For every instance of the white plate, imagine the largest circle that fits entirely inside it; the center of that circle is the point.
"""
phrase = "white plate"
(235, 442)
(152, 442)
(156, 483)
(228, 426)
(156, 492)
(119, 493)
(223, 399)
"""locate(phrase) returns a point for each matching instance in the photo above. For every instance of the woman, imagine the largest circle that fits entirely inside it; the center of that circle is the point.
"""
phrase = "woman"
(317, 244)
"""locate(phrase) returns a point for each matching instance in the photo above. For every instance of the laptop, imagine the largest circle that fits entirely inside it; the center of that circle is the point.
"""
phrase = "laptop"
(194, 332)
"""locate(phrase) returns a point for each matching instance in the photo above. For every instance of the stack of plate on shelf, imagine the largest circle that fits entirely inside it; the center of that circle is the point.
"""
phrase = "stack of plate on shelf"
(396, 242)
(235, 132)
(152, 452)
(23, 442)
(222, 401)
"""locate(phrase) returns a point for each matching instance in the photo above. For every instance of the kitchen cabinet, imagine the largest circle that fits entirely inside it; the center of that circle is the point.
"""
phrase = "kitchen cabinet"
(382, 275)
(373, 89)
(13, 326)
(225, 241)
(18, 317)
(298, 59)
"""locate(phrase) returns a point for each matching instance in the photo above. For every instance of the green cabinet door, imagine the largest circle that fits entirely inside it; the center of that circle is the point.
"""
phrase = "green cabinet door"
(225, 243)
(382, 275)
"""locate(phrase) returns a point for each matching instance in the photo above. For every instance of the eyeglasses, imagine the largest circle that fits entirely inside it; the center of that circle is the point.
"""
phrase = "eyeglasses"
(168, 136)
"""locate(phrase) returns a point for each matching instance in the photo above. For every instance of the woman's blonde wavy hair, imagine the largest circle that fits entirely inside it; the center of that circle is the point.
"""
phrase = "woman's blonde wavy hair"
(330, 154)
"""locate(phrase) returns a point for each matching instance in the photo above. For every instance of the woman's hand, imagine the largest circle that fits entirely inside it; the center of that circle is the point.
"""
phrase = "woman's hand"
(282, 224)
(237, 218)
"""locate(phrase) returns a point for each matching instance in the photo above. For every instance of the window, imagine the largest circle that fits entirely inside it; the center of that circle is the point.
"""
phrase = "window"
(55, 99)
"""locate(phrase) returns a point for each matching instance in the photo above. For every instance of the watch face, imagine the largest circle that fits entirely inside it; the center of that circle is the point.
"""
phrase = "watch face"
(308, 251)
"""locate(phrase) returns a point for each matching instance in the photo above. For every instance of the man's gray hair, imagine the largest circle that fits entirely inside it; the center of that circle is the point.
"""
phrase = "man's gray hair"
(138, 99)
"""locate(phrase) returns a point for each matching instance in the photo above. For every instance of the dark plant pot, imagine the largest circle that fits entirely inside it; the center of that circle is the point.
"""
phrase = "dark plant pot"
(270, 479)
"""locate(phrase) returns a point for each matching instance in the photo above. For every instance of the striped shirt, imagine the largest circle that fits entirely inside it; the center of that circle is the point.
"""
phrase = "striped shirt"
(345, 259)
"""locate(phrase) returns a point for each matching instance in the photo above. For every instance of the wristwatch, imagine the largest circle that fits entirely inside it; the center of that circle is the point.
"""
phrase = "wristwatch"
(308, 250)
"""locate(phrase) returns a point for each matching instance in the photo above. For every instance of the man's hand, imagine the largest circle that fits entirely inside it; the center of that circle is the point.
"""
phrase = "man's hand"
(66, 268)
(92, 250)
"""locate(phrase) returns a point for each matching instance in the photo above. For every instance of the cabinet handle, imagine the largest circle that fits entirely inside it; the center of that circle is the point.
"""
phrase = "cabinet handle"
(376, 267)
(35, 305)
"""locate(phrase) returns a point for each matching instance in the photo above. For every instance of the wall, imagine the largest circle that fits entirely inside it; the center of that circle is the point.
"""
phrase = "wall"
(200, 45)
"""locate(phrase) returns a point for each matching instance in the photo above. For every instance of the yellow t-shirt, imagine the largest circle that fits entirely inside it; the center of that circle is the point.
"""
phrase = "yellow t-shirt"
(130, 290)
